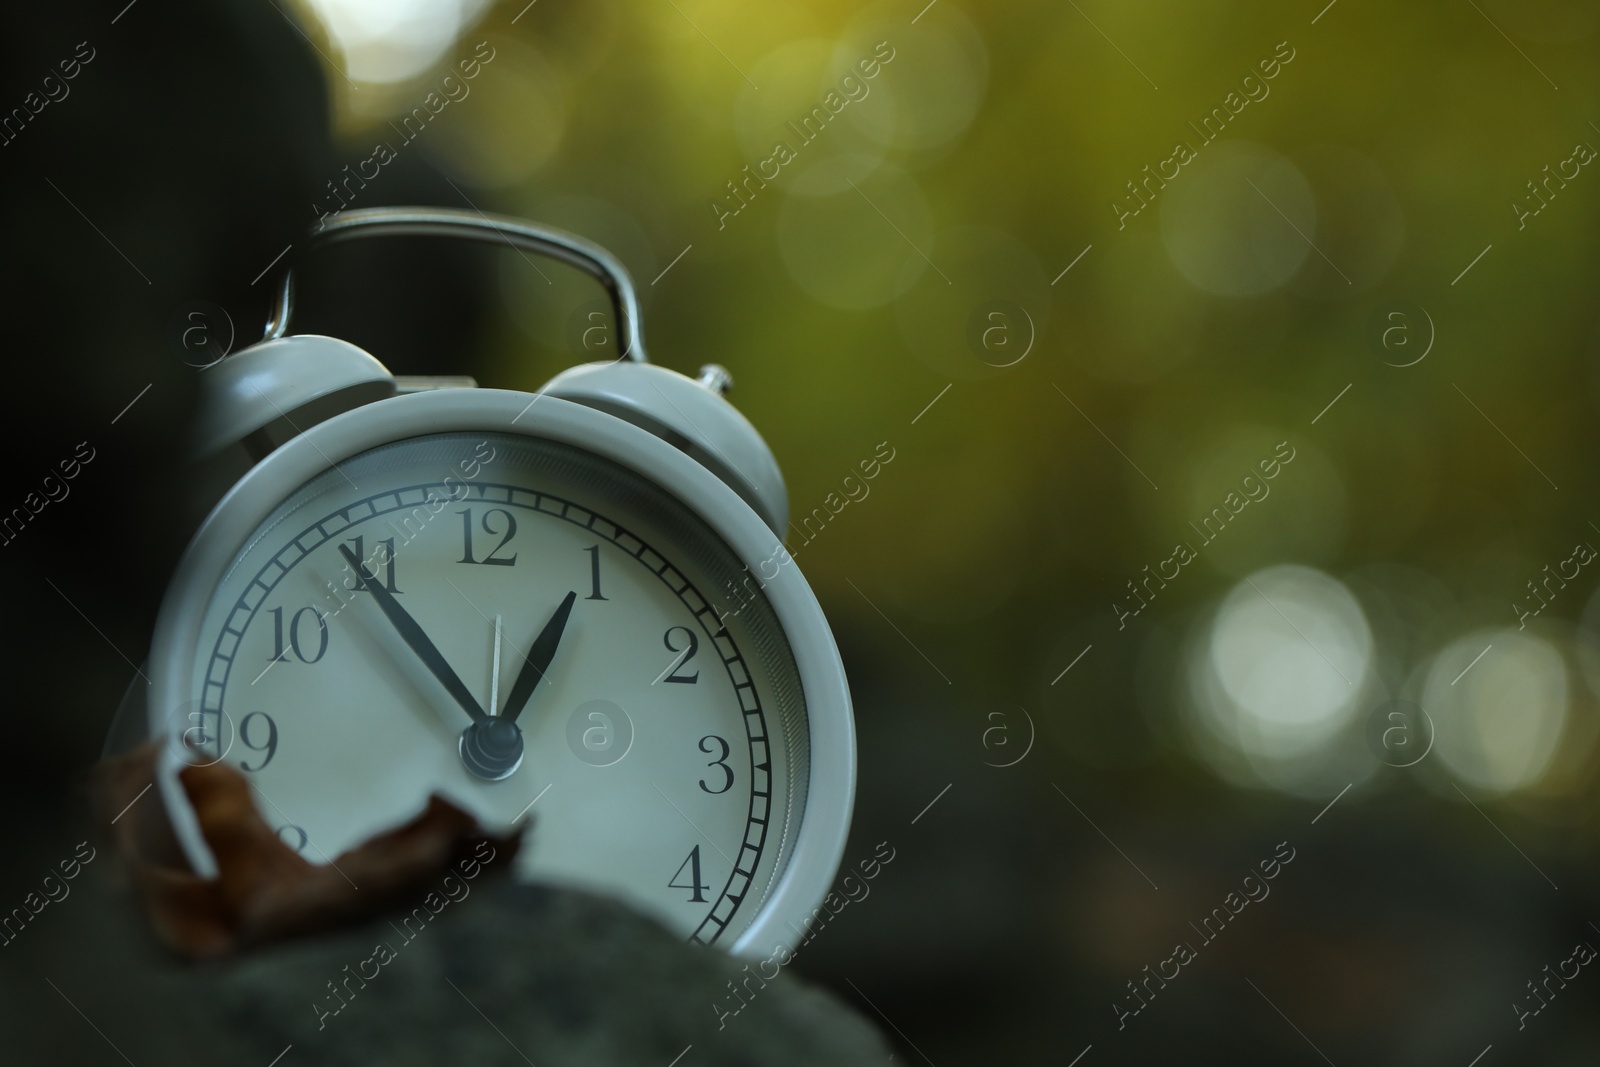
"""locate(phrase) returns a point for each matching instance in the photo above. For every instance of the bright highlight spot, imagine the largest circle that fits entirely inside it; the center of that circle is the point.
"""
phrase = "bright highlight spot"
(383, 41)
(1284, 665)
(1499, 725)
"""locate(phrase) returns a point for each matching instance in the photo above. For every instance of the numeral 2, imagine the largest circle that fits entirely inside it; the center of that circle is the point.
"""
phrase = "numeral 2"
(696, 887)
(493, 559)
(685, 655)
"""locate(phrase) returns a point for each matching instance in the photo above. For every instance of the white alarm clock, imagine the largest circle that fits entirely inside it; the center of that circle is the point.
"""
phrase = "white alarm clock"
(543, 603)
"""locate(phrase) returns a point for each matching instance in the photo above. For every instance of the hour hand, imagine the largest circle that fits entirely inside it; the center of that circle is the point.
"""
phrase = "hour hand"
(413, 636)
(537, 661)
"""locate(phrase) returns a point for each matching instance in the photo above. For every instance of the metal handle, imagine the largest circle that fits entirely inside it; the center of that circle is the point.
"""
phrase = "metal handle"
(520, 234)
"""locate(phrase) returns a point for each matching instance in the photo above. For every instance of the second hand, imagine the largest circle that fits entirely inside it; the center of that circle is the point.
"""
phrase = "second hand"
(494, 672)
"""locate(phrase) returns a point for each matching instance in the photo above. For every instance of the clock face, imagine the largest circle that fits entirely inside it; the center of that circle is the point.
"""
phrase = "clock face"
(523, 627)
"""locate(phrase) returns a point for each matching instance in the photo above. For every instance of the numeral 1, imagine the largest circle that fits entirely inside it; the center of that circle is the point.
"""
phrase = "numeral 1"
(594, 573)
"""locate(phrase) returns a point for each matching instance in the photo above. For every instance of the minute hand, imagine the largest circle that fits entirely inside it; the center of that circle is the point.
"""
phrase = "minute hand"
(430, 656)
(540, 653)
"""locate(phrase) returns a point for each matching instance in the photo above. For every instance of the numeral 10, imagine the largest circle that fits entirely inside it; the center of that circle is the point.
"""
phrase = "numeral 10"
(280, 653)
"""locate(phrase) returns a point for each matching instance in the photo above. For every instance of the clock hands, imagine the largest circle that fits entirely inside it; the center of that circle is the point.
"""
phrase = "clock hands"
(491, 747)
(537, 661)
(408, 629)
(494, 670)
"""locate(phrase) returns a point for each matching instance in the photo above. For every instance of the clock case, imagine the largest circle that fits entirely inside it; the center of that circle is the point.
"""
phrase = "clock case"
(287, 408)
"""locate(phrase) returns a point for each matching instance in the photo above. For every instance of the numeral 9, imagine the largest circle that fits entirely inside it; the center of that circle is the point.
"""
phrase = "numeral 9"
(269, 746)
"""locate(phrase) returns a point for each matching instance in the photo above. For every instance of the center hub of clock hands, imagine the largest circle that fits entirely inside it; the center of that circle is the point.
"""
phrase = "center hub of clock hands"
(491, 746)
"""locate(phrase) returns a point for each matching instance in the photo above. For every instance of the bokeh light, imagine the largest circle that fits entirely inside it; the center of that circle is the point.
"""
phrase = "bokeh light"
(940, 68)
(1242, 223)
(1281, 669)
(1498, 719)
(381, 41)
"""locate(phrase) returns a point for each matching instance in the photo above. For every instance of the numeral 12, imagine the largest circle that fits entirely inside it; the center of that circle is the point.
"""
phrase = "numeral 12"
(493, 559)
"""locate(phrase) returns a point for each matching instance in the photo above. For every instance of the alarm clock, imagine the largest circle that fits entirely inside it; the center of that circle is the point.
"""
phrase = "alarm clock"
(530, 603)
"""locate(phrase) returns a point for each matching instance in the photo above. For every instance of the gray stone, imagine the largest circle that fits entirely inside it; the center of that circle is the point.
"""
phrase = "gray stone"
(520, 974)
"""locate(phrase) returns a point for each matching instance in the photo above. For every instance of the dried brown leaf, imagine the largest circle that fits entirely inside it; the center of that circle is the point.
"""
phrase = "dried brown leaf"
(265, 891)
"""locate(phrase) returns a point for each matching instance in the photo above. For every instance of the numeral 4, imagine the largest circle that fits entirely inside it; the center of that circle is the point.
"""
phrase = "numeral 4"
(696, 888)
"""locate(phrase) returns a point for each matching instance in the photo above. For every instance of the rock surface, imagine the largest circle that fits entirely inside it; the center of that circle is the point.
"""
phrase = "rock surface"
(508, 974)
(518, 974)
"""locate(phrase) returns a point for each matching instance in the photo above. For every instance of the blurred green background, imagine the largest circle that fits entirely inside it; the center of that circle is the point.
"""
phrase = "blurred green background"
(1074, 374)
